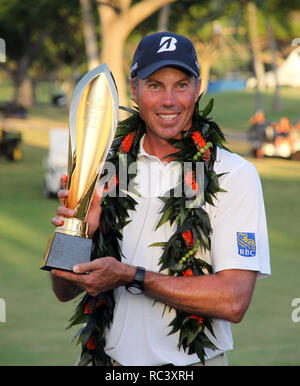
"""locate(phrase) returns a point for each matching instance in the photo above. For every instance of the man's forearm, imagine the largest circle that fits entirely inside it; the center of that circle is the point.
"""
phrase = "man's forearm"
(225, 295)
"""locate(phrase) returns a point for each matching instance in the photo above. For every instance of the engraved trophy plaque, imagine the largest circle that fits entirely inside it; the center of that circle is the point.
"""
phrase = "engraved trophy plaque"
(93, 120)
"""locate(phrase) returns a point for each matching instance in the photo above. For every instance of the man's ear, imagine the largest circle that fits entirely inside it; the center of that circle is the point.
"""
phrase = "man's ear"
(133, 91)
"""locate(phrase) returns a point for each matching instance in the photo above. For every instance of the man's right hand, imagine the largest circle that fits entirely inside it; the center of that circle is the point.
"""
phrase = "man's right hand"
(93, 217)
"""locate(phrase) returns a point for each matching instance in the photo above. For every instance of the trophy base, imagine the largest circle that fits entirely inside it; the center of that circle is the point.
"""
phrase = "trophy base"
(64, 251)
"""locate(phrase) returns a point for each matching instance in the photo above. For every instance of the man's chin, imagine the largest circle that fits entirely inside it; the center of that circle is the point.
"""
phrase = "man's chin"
(171, 133)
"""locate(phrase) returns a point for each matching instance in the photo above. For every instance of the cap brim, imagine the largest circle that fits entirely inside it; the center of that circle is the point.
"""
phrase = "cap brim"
(147, 71)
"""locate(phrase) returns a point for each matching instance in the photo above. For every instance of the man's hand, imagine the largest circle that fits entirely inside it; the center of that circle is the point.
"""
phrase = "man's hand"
(93, 217)
(99, 275)
(64, 289)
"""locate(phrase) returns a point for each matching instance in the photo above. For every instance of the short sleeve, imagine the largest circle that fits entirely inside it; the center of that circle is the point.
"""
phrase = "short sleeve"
(239, 237)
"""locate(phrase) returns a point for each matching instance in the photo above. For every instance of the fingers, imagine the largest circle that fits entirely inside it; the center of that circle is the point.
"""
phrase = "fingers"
(62, 212)
(57, 221)
(64, 180)
(96, 276)
(87, 267)
(62, 195)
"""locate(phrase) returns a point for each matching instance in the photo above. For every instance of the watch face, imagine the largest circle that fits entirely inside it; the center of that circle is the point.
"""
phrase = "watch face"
(134, 289)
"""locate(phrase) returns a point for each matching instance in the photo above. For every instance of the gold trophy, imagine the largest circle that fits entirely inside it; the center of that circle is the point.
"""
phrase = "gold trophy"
(93, 120)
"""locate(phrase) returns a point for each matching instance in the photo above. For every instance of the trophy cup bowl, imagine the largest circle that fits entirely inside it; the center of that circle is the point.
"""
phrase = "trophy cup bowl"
(93, 119)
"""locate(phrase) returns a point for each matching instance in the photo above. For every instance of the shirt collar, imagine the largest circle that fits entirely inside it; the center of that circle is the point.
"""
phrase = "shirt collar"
(142, 151)
(143, 154)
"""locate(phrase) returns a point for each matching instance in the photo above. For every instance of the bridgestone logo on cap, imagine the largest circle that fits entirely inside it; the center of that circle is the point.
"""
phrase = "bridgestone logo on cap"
(167, 43)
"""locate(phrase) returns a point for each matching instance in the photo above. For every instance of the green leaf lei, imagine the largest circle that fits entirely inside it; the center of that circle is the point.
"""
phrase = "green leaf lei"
(199, 144)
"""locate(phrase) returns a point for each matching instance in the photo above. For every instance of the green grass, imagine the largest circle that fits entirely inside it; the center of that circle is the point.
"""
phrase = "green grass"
(233, 109)
(34, 330)
(267, 335)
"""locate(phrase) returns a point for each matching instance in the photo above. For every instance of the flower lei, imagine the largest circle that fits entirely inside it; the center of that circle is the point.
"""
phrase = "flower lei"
(199, 144)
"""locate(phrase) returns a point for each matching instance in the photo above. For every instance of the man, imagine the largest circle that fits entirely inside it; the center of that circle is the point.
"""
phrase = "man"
(165, 85)
(258, 132)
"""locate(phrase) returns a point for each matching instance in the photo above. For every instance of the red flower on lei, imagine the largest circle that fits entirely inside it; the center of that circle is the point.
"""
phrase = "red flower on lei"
(88, 309)
(188, 272)
(200, 319)
(188, 239)
(127, 142)
(90, 345)
(200, 144)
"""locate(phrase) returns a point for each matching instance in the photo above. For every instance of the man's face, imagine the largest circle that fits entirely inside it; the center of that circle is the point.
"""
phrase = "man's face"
(166, 101)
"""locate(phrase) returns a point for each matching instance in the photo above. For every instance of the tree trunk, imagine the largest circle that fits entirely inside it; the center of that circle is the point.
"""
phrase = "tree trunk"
(116, 25)
(276, 100)
(257, 57)
(163, 18)
(112, 54)
(23, 85)
(207, 53)
(205, 71)
(89, 35)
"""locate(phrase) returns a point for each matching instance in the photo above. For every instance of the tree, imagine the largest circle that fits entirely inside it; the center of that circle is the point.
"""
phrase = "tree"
(257, 54)
(23, 29)
(35, 44)
(199, 22)
(273, 47)
(118, 19)
(267, 24)
(89, 33)
(163, 18)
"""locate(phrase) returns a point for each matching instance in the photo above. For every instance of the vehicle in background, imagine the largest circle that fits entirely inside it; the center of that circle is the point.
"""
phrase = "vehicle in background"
(10, 144)
(274, 139)
(56, 162)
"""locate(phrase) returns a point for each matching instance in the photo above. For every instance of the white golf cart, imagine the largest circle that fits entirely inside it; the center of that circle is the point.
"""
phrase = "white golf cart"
(56, 162)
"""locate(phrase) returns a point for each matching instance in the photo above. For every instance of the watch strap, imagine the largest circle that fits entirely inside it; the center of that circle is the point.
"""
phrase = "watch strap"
(138, 280)
(139, 276)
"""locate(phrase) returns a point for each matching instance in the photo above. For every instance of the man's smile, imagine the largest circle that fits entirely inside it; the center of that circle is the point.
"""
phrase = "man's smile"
(168, 117)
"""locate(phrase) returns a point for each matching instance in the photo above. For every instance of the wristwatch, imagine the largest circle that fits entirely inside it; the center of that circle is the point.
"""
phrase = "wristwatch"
(136, 286)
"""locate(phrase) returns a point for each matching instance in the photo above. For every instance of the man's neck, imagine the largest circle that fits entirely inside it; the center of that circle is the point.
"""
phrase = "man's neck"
(159, 147)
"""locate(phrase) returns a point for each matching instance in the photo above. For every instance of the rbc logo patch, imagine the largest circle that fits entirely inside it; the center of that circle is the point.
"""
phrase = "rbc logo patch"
(246, 244)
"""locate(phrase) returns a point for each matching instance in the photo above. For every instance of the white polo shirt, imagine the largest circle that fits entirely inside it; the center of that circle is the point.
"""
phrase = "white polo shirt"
(138, 335)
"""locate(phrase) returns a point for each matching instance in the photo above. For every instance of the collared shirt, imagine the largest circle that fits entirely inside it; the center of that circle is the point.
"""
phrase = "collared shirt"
(139, 332)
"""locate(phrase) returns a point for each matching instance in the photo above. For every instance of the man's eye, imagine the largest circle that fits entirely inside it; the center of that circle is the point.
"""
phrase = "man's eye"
(182, 85)
(153, 86)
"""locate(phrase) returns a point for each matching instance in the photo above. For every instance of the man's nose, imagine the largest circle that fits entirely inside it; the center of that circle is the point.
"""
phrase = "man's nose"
(168, 98)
